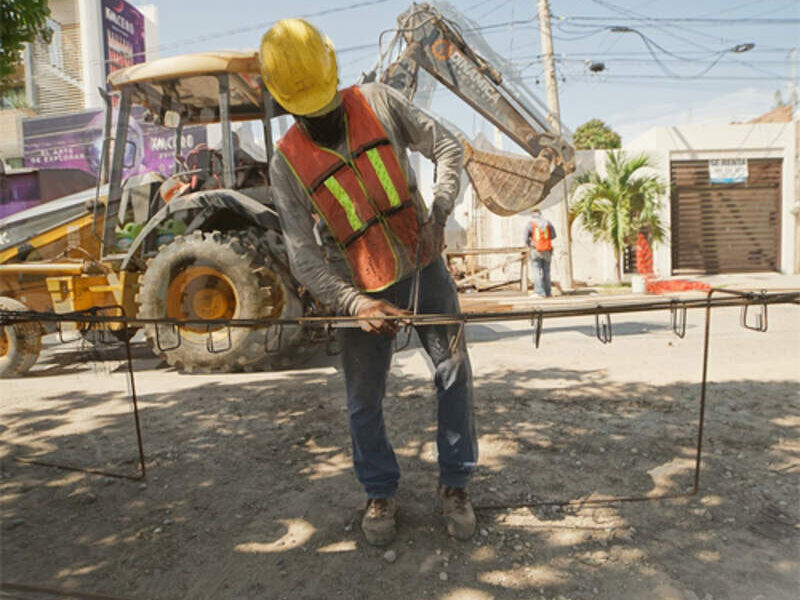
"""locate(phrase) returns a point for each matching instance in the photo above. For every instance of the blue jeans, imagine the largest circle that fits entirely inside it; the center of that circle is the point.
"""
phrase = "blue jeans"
(540, 267)
(366, 359)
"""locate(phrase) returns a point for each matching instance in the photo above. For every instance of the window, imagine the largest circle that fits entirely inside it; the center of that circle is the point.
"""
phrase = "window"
(56, 47)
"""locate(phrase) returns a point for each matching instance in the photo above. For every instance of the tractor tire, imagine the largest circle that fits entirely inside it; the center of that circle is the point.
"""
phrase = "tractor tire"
(20, 343)
(213, 276)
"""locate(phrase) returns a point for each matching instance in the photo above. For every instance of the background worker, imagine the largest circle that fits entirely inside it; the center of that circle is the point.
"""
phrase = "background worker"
(344, 163)
(539, 236)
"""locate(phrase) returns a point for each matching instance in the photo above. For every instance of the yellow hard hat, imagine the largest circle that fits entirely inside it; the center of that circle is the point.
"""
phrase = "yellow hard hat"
(298, 65)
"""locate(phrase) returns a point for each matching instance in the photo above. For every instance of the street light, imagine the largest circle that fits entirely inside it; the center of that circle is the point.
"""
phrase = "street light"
(739, 48)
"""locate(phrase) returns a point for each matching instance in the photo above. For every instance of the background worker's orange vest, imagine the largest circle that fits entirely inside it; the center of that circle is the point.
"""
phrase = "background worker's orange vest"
(541, 237)
(364, 200)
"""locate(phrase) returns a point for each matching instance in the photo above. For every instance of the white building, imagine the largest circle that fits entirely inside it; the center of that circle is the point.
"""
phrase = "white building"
(747, 223)
(733, 196)
(90, 39)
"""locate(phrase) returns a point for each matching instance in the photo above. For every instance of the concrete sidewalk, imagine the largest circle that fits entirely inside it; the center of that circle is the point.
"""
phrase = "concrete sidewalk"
(507, 300)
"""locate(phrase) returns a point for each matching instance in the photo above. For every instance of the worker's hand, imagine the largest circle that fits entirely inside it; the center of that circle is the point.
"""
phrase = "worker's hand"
(432, 238)
(370, 317)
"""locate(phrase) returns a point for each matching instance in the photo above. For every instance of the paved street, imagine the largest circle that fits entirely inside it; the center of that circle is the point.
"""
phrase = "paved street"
(249, 485)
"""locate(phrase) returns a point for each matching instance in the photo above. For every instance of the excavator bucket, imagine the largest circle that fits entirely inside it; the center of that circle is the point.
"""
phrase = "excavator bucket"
(448, 48)
(506, 185)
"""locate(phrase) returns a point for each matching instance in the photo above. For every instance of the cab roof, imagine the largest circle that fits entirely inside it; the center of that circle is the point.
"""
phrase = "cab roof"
(189, 84)
(187, 65)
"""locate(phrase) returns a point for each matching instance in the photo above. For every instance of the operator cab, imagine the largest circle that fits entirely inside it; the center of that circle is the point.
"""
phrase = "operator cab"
(179, 92)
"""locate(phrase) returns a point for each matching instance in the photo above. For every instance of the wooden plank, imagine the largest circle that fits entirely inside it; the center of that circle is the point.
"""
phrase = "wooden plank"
(479, 251)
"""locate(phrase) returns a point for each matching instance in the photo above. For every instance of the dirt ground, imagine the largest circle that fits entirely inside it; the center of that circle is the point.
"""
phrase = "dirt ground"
(250, 492)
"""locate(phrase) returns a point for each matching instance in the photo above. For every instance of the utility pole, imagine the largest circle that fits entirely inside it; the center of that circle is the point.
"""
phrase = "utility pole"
(549, 65)
(794, 83)
(554, 117)
(796, 124)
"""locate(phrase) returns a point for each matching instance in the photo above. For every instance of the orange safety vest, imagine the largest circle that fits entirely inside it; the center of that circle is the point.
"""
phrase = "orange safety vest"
(541, 238)
(364, 201)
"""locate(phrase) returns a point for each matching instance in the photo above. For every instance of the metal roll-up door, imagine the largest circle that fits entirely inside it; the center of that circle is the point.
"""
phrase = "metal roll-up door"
(725, 228)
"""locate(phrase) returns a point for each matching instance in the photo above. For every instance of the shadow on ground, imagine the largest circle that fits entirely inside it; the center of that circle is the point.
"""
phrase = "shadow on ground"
(250, 492)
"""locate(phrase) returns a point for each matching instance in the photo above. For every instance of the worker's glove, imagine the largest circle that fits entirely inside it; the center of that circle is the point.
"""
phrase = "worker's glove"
(371, 313)
(432, 238)
(438, 212)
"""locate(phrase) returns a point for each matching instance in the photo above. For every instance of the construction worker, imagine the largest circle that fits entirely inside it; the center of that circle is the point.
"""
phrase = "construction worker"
(360, 238)
(539, 236)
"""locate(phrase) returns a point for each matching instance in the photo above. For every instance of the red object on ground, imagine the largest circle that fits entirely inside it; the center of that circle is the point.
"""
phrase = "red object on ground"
(662, 286)
(654, 285)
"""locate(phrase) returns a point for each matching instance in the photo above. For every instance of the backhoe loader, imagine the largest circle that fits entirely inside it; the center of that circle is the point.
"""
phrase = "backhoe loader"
(205, 243)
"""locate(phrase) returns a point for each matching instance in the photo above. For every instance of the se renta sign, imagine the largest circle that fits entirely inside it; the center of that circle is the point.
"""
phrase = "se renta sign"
(727, 170)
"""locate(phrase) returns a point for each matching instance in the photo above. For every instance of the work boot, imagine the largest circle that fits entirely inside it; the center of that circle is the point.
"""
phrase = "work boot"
(378, 522)
(457, 512)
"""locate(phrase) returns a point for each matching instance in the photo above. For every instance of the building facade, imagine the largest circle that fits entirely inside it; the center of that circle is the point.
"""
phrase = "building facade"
(733, 201)
(731, 206)
(90, 39)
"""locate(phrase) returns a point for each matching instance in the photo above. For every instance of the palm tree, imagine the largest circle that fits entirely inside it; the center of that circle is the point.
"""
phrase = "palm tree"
(615, 207)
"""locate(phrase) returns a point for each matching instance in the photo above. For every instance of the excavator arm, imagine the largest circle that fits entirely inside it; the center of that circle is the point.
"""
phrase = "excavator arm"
(506, 185)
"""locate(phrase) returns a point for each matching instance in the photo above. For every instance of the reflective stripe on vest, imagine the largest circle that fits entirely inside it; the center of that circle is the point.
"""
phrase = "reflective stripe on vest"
(383, 175)
(364, 201)
(541, 238)
(345, 201)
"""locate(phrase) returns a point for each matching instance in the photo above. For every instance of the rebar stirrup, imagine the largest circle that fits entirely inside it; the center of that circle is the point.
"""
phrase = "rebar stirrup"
(330, 340)
(678, 318)
(176, 330)
(210, 341)
(408, 332)
(536, 323)
(276, 347)
(603, 329)
(760, 317)
(59, 328)
(456, 339)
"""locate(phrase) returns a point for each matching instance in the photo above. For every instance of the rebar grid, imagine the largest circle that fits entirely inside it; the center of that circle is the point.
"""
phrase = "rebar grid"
(753, 316)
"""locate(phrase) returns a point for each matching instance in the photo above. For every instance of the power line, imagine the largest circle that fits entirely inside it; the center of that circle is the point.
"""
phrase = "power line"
(706, 78)
(575, 35)
(732, 8)
(644, 60)
(502, 24)
(758, 50)
(652, 45)
(493, 10)
(591, 54)
(265, 25)
(653, 48)
(703, 20)
(773, 11)
(663, 28)
(476, 5)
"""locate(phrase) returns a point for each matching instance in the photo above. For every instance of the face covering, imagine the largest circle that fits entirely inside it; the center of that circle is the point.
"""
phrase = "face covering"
(328, 129)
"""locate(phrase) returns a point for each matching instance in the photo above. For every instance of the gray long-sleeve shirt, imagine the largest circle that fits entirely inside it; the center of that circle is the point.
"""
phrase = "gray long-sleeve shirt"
(322, 269)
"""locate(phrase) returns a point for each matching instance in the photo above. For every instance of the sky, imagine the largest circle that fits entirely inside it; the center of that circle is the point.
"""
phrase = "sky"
(674, 65)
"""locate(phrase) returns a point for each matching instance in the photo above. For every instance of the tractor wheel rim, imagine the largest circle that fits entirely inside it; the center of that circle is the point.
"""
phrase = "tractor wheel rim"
(201, 292)
(4, 342)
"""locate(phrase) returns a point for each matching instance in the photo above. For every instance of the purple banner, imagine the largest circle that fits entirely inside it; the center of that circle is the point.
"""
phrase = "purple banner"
(18, 191)
(66, 152)
(123, 35)
(75, 141)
